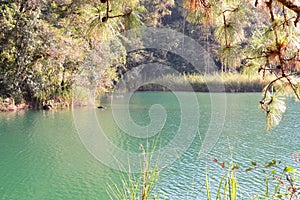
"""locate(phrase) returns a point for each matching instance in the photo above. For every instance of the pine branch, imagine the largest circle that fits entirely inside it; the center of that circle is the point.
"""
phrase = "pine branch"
(292, 6)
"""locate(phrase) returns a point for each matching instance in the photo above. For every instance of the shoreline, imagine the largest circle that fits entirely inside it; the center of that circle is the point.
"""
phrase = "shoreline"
(25, 106)
(207, 83)
(204, 89)
(11, 107)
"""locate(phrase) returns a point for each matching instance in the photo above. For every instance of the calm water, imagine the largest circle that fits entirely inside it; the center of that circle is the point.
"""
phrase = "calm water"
(42, 157)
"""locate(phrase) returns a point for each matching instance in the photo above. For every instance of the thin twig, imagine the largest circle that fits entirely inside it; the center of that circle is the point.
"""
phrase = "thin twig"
(268, 87)
(293, 87)
(275, 80)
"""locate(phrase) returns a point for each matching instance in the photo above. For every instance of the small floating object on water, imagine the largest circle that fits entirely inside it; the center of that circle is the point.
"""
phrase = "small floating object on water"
(101, 107)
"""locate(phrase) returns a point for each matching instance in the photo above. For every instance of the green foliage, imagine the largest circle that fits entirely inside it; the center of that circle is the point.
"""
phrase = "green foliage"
(44, 45)
(281, 181)
(22, 49)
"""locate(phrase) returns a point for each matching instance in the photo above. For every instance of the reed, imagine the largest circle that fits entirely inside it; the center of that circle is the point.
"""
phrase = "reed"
(232, 82)
(139, 186)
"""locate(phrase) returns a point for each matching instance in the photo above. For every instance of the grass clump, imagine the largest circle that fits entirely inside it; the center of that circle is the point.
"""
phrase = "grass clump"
(140, 186)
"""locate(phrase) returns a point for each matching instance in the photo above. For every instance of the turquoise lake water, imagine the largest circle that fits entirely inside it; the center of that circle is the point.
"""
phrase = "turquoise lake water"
(42, 155)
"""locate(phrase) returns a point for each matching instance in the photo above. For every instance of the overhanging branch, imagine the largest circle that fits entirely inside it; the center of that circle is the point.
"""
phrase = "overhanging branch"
(292, 6)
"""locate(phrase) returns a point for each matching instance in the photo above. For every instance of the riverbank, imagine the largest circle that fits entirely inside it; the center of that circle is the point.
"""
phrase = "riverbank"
(226, 82)
(9, 105)
(218, 82)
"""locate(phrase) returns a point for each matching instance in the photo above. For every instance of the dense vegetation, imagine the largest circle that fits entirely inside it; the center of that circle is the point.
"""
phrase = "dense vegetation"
(45, 44)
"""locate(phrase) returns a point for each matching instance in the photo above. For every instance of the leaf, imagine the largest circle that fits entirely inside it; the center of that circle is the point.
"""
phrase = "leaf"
(253, 163)
(288, 169)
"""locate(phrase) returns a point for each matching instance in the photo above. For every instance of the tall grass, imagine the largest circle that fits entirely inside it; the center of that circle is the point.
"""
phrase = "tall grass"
(139, 186)
(232, 82)
(228, 184)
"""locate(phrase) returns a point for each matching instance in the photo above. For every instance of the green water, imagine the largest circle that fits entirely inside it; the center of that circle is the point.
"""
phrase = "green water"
(42, 157)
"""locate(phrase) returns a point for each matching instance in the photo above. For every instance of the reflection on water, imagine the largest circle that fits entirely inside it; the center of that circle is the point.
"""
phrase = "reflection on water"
(41, 156)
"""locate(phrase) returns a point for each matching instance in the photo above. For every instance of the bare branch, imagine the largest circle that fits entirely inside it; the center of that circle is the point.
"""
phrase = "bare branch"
(293, 88)
(291, 5)
(122, 15)
(268, 87)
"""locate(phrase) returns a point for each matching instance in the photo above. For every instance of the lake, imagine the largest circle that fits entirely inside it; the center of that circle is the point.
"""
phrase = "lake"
(56, 154)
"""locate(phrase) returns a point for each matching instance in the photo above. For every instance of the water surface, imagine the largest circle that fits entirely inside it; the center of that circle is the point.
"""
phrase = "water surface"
(42, 157)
